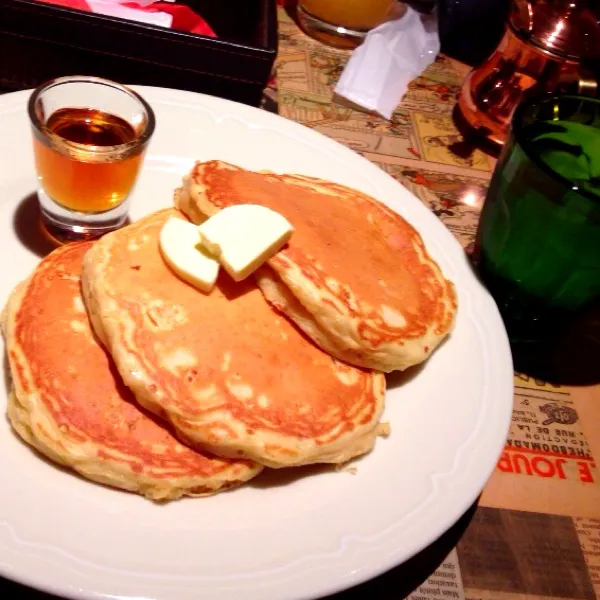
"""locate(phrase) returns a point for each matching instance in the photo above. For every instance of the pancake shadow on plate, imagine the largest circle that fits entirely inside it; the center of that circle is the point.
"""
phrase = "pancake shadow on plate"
(397, 379)
(7, 374)
(272, 478)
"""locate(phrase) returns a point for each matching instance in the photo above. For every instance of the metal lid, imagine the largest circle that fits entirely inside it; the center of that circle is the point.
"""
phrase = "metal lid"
(570, 28)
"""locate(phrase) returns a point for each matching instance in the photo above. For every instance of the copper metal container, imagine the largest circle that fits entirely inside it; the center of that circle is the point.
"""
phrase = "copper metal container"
(548, 46)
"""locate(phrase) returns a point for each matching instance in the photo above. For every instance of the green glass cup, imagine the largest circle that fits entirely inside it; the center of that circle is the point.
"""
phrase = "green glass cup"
(538, 242)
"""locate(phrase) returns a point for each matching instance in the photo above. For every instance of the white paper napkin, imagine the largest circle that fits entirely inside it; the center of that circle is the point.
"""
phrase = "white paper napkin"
(113, 8)
(379, 71)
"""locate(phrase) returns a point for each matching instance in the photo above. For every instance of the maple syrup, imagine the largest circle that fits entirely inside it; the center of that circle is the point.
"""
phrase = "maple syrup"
(85, 163)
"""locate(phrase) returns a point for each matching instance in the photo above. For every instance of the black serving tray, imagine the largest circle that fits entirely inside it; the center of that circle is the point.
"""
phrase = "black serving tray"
(41, 41)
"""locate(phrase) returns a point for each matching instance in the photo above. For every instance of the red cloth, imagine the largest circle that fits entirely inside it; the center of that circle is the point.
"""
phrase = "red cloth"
(184, 18)
(76, 4)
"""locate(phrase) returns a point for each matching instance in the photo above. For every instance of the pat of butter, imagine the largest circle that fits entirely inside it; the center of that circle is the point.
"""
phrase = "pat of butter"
(180, 248)
(244, 236)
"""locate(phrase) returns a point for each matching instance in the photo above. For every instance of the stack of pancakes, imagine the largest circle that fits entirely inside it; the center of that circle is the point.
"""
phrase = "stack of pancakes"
(135, 379)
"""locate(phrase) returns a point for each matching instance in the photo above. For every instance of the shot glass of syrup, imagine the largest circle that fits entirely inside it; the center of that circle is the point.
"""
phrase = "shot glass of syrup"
(89, 140)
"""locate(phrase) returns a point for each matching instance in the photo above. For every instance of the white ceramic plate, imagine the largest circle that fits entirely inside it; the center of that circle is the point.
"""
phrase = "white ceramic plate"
(280, 537)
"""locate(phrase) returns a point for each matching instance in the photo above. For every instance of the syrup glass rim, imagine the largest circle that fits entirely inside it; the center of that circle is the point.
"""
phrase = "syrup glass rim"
(140, 140)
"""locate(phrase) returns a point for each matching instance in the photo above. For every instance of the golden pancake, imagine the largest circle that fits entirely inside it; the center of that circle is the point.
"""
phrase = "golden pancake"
(231, 374)
(355, 276)
(70, 404)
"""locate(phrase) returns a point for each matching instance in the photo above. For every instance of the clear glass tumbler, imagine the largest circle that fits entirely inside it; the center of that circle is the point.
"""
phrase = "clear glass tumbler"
(89, 139)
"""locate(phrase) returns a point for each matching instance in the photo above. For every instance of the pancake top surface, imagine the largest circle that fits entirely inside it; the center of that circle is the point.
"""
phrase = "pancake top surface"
(226, 357)
(58, 358)
(344, 242)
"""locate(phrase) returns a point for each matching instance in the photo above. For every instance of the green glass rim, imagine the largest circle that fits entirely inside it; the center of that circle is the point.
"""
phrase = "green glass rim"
(525, 144)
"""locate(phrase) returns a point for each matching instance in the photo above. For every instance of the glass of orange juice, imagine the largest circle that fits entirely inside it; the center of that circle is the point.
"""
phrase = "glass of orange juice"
(343, 23)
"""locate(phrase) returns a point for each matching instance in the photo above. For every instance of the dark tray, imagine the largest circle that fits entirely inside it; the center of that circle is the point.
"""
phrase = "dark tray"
(42, 41)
